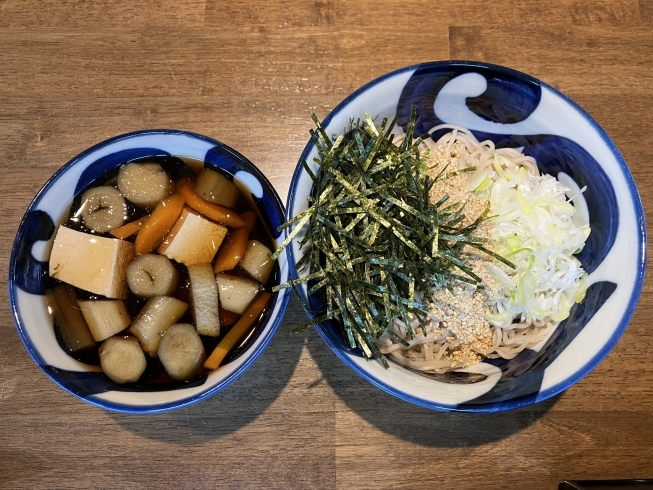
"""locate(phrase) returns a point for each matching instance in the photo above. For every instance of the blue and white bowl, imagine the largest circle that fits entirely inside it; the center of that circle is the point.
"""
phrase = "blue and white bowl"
(28, 269)
(513, 110)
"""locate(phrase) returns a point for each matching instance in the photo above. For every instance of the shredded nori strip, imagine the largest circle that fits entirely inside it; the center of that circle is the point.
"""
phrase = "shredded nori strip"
(374, 237)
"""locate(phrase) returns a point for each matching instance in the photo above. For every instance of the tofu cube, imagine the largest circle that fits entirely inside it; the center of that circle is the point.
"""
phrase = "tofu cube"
(236, 293)
(257, 261)
(92, 263)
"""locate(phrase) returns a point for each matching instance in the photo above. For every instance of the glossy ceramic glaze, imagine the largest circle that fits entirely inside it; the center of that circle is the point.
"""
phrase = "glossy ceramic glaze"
(29, 265)
(518, 111)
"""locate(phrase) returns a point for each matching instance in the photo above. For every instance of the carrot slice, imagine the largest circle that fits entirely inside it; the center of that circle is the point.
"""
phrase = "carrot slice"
(129, 229)
(158, 224)
(233, 248)
(227, 317)
(238, 331)
(212, 211)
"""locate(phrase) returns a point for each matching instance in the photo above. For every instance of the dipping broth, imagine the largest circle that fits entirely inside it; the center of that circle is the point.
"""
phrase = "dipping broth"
(94, 219)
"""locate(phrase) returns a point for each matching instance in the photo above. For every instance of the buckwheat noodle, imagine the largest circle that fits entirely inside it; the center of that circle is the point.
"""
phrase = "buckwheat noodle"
(433, 352)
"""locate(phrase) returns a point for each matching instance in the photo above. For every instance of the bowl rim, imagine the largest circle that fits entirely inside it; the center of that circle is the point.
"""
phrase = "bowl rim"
(598, 356)
(284, 295)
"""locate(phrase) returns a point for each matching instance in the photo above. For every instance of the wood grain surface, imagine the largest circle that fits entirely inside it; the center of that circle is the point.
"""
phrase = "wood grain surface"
(249, 73)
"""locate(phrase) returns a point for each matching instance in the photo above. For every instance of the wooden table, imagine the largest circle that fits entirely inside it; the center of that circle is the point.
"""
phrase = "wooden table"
(250, 73)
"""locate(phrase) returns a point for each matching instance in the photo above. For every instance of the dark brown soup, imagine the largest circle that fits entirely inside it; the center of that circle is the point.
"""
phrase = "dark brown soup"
(155, 377)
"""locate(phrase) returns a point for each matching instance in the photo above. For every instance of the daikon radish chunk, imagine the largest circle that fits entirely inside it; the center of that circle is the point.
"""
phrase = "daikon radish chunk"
(156, 316)
(193, 239)
(238, 331)
(105, 317)
(258, 261)
(236, 293)
(122, 359)
(92, 263)
(204, 299)
(216, 188)
(62, 301)
(181, 352)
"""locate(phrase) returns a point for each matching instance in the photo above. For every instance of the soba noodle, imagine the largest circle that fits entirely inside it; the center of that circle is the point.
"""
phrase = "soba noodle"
(441, 347)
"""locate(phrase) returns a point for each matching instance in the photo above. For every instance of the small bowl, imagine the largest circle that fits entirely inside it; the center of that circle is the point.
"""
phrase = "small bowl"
(28, 269)
(516, 110)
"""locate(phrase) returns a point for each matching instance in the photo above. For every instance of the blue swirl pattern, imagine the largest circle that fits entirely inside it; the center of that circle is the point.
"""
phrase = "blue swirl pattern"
(515, 97)
(105, 164)
(512, 97)
(30, 274)
(522, 376)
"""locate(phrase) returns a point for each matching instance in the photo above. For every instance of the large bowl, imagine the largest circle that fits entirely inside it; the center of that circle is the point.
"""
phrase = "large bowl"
(28, 269)
(513, 110)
